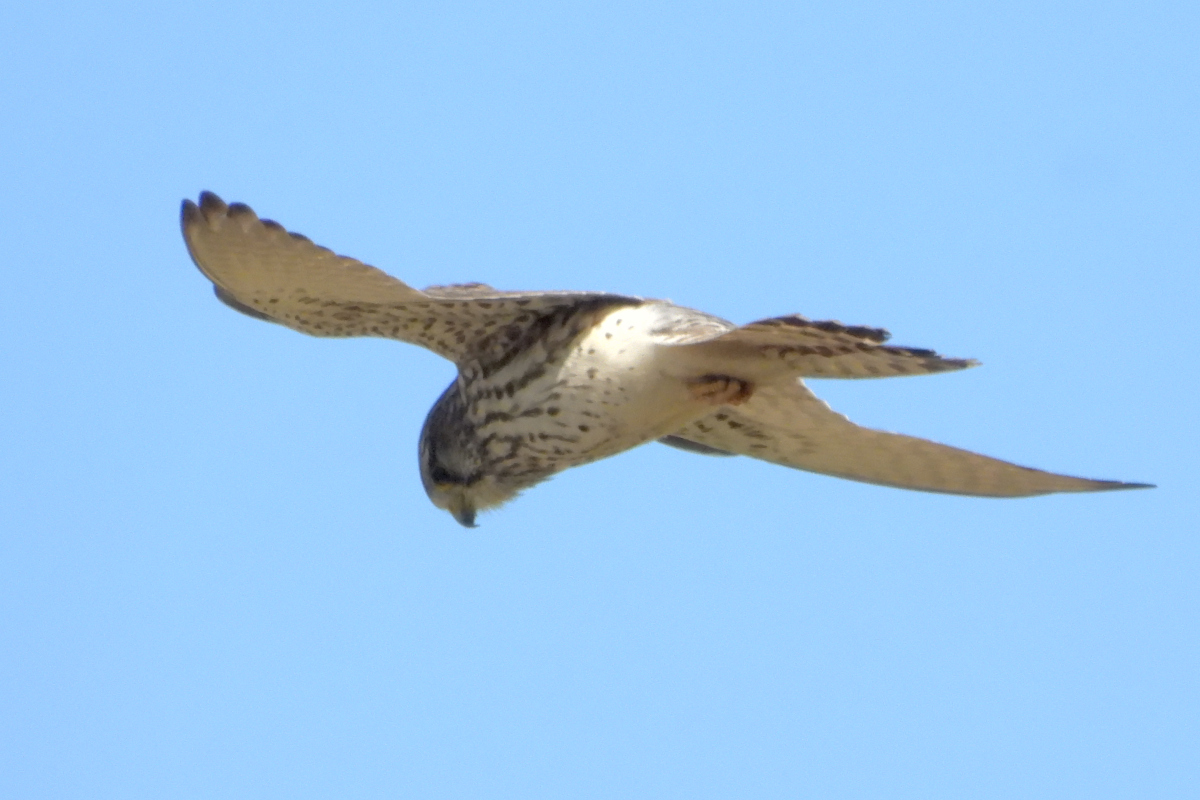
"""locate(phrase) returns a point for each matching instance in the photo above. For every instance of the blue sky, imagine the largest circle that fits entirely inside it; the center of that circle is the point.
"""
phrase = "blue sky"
(219, 575)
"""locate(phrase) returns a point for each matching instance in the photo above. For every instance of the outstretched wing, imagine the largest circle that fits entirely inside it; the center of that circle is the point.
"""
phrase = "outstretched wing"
(812, 349)
(790, 426)
(262, 270)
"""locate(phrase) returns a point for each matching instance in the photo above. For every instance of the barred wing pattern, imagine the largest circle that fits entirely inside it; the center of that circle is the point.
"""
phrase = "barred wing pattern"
(533, 364)
(262, 270)
(808, 348)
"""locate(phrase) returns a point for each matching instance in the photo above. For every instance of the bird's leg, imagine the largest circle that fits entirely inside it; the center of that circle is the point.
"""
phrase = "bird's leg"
(720, 390)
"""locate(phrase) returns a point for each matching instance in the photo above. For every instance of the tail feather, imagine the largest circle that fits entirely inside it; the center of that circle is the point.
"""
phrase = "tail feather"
(827, 349)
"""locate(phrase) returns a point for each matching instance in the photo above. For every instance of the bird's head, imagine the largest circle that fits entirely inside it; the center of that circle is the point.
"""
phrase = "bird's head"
(453, 463)
(461, 492)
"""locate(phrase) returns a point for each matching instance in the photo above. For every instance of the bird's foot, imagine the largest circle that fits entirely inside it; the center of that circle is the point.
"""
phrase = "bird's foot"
(721, 390)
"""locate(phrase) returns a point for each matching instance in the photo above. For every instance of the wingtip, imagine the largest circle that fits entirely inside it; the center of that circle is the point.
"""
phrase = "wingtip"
(191, 213)
(235, 210)
(1118, 485)
(210, 203)
(935, 363)
(962, 363)
(1093, 485)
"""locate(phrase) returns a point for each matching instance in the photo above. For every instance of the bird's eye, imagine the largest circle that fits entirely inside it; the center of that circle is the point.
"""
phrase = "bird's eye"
(439, 474)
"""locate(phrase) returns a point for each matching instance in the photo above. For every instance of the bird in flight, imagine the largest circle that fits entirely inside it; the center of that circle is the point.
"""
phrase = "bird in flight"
(551, 380)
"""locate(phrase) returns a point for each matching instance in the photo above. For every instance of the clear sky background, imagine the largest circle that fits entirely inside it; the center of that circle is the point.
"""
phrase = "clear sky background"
(219, 574)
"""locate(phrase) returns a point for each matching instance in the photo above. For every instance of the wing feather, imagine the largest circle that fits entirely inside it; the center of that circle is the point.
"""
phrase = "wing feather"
(790, 426)
(822, 349)
(259, 268)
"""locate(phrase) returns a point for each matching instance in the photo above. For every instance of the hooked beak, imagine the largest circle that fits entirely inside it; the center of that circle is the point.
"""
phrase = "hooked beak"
(464, 513)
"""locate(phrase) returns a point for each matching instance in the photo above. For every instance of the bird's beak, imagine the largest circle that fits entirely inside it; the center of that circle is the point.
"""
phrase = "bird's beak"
(463, 512)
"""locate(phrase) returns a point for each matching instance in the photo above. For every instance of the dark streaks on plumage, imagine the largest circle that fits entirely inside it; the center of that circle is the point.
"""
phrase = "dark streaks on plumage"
(532, 398)
(259, 268)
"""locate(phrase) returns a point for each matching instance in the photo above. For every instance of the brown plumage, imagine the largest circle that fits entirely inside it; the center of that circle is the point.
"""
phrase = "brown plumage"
(551, 380)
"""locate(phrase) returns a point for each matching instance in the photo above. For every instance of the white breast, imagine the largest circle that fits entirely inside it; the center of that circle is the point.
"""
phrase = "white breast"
(610, 389)
(620, 384)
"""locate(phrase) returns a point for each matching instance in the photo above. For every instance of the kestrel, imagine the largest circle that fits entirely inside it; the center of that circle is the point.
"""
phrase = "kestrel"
(551, 380)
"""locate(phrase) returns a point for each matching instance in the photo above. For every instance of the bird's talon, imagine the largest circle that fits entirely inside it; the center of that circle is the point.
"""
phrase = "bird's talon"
(721, 390)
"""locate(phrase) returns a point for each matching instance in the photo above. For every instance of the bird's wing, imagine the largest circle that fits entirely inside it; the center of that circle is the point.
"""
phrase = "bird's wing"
(693, 447)
(262, 270)
(824, 349)
(788, 425)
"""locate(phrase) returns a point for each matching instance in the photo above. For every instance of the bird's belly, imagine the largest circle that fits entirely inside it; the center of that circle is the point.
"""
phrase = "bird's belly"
(606, 391)
(618, 391)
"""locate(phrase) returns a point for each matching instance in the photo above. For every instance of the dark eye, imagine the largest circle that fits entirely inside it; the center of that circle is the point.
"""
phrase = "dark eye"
(439, 474)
